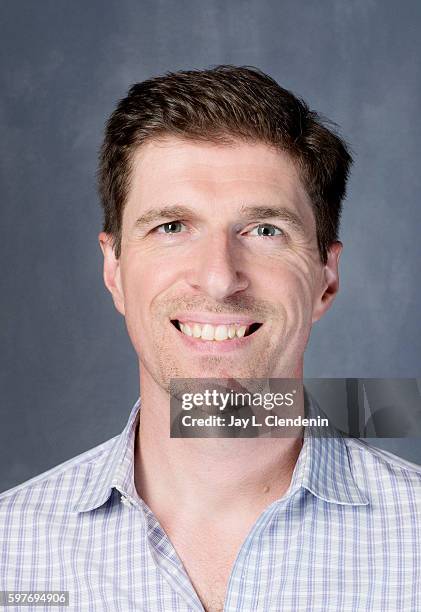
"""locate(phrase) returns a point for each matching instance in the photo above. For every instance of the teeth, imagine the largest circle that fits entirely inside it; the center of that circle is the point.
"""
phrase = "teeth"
(221, 332)
(210, 332)
(241, 331)
(186, 329)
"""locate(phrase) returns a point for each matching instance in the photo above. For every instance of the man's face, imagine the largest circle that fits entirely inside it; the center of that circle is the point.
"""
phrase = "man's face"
(220, 274)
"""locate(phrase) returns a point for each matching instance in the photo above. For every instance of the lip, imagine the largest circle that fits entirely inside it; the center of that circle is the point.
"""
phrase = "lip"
(214, 347)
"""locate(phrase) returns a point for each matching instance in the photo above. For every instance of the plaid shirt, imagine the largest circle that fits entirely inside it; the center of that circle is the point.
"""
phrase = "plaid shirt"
(346, 536)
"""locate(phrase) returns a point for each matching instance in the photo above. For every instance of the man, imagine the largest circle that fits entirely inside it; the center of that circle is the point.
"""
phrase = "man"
(222, 195)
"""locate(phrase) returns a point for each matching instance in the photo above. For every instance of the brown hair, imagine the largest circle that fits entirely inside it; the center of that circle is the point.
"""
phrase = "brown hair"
(219, 105)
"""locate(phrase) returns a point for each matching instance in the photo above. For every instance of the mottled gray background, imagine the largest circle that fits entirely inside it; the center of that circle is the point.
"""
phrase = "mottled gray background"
(68, 372)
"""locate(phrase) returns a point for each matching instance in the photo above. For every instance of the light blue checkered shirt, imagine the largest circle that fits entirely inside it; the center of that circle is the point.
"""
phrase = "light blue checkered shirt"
(346, 536)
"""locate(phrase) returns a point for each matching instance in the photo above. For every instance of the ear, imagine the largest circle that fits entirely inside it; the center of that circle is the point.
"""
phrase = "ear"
(111, 274)
(330, 282)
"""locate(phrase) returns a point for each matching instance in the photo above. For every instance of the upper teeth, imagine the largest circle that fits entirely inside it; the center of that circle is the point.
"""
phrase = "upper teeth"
(205, 331)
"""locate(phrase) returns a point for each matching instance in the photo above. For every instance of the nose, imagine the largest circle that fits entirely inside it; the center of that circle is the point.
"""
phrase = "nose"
(216, 270)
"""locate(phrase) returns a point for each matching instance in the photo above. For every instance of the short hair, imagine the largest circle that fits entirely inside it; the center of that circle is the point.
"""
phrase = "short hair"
(224, 104)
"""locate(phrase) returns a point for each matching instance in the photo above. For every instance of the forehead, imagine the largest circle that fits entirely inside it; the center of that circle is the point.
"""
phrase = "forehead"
(207, 175)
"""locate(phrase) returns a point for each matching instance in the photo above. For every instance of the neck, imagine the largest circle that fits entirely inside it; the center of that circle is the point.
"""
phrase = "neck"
(208, 477)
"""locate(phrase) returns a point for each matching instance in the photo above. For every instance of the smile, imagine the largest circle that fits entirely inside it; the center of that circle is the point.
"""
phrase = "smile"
(215, 333)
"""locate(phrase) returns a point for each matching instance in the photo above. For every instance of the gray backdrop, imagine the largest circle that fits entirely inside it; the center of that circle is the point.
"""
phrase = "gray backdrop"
(68, 372)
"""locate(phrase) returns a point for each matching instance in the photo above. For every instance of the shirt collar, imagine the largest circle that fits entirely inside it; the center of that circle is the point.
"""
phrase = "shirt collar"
(115, 470)
(323, 466)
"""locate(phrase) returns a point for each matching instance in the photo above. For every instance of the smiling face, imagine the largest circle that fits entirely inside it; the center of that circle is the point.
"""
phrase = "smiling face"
(220, 274)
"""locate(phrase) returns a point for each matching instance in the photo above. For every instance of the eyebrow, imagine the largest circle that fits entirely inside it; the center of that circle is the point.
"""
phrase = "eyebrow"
(158, 214)
(251, 213)
(248, 213)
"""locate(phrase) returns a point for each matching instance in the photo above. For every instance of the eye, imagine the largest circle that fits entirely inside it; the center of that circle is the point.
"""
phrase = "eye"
(173, 227)
(266, 230)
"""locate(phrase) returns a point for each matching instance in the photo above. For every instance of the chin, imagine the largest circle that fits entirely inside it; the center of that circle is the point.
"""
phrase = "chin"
(212, 367)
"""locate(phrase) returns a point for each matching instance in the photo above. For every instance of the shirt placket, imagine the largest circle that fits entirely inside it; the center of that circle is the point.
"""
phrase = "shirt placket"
(169, 564)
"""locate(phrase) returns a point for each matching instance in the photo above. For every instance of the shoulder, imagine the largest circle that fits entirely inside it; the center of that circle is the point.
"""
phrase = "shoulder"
(62, 482)
(384, 476)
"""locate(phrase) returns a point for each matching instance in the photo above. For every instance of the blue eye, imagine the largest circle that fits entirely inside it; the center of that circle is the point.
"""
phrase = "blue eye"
(173, 227)
(266, 230)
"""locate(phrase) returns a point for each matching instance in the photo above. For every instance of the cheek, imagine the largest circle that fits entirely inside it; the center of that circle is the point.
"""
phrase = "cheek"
(144, 285)
(291, 282)
(137, 282)
(143, 280)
